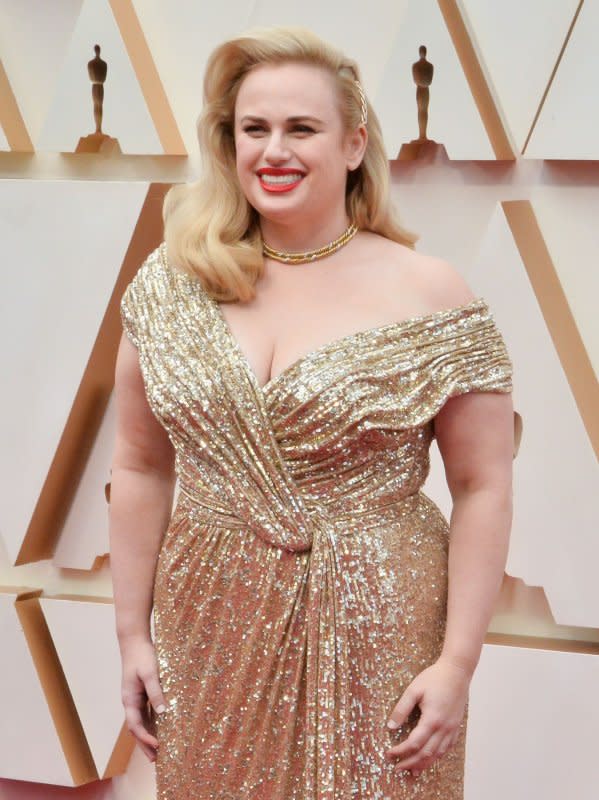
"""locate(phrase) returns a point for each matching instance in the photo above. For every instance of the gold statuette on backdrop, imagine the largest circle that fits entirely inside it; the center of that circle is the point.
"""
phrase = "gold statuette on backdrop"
(422, 148)
(98, 142)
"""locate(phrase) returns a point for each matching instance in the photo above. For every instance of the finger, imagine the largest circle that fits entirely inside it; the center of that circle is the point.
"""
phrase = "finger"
(154, 692)
(420, 734)
(415, 741)
(425, 756)
(135, 726)
(446, 744)
(148, 752)
(404, 708)
(426, 760)
(148, 717)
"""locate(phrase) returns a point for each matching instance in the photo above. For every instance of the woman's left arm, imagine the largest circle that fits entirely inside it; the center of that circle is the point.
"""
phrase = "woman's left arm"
(475, 434)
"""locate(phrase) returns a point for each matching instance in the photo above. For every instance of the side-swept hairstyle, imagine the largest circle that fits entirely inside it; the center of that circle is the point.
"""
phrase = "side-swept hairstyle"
(210, 229)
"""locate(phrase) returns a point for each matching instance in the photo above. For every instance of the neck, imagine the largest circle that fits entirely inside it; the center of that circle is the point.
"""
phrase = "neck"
(294, 238)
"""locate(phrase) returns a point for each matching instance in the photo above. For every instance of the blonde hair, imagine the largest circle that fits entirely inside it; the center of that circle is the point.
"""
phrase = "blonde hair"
(211, 230)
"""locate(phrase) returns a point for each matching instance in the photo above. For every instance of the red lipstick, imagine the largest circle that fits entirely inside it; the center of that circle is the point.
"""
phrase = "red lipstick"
(279, 181)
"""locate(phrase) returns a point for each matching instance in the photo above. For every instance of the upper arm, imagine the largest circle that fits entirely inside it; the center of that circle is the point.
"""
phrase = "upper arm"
(141, 442)
(474, 429)
(475, 434)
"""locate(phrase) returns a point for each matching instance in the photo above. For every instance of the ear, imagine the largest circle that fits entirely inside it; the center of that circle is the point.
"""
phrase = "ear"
(356, 147)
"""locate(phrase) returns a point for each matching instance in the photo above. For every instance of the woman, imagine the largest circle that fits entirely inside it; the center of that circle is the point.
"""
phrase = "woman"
(289, 357)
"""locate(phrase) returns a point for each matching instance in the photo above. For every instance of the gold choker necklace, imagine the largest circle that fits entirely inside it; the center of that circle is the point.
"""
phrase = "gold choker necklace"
(311, 255)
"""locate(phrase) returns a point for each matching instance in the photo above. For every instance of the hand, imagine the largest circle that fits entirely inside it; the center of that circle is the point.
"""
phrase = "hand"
(441, 691)
(140, 683)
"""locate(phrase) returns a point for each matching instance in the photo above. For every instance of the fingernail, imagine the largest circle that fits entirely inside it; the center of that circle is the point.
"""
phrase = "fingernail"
(392, 724)
(161, 709)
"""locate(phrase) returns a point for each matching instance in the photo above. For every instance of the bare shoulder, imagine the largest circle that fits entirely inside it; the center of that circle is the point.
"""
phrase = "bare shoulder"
(438, 281)
(434, 280)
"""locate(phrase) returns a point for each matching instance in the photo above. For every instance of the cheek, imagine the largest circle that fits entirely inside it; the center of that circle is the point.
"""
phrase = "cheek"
(246, 159)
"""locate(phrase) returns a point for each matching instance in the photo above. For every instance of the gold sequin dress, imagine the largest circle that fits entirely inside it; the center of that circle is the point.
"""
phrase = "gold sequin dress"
(302, 581)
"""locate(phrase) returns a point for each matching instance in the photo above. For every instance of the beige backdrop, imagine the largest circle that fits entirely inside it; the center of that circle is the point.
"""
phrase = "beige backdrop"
(513, 205)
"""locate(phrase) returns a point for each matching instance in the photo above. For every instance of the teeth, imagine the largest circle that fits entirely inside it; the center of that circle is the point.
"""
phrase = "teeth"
(292, 178)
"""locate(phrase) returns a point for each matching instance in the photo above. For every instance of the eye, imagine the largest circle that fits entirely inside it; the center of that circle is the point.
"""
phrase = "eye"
(302, 129)
(253, 128)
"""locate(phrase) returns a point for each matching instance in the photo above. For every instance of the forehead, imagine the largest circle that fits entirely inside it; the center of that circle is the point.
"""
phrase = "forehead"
(290, 89)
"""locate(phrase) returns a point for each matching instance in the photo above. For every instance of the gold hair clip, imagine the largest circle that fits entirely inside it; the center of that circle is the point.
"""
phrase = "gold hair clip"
(364, 117)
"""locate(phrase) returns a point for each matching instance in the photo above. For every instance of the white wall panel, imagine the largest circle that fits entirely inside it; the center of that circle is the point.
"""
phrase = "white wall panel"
(84, 535)
(556, 513)
(568, 126)
(64, 244)
(33, 43)
(30, 745)
(180, 37)
(83, 632)
(533, 726)
(568, 220)
(446, 208)
(371, 51)
(519, 73)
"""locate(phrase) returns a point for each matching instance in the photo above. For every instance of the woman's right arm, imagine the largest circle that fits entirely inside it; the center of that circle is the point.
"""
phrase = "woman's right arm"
(141, 497)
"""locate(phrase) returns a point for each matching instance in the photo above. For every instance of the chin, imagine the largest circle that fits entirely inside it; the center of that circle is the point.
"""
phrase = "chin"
(279, 212)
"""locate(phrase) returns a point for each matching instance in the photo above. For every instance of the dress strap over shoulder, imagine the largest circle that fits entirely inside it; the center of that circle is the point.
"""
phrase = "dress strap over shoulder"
(450, 354)
(471, 353)
(140, 298)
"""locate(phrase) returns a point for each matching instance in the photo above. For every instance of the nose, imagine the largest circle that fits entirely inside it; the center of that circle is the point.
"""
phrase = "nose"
(276, 149)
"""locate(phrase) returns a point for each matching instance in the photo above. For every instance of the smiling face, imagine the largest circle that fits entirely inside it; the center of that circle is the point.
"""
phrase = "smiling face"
(292, 149)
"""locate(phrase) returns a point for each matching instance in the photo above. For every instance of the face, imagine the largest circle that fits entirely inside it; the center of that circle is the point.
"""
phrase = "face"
(292, 150)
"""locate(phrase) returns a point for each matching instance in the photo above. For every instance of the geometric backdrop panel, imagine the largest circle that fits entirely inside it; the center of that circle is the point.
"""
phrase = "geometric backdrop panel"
(180, 37)
(556, 506)
(520, 71)
(568, 125)
(568, 220)
(323, 19)
(31, 748)
(34, 37)
(63, 245)
(526, 707)
(84, 635)
(84, 536)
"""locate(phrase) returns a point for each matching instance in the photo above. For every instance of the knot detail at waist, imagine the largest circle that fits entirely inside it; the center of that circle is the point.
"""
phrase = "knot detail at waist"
(318, 516)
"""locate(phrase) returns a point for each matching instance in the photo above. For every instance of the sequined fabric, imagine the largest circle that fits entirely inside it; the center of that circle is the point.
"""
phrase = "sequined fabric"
(302, 581)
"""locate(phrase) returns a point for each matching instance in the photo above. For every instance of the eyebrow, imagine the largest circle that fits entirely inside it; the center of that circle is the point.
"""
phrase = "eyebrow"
(289, 119)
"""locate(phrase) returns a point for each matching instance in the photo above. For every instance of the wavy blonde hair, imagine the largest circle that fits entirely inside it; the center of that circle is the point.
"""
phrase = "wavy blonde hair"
(211, 230)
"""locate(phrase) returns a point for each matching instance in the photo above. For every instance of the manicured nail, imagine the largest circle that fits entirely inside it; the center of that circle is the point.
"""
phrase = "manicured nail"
(161, 709)
(393, 724)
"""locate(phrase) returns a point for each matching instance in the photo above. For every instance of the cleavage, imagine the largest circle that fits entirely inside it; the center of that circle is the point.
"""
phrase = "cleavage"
(262, 358)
